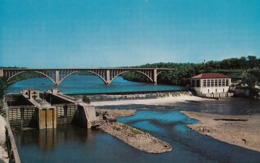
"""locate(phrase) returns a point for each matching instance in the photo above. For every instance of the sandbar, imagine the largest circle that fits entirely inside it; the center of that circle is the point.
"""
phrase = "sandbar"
(240, 130)
(136, 138)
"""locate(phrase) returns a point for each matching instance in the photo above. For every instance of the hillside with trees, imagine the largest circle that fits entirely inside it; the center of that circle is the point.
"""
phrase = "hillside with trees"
(246, 69)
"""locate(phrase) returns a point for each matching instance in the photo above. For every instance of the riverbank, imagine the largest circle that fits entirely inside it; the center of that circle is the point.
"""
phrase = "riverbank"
(240, 130)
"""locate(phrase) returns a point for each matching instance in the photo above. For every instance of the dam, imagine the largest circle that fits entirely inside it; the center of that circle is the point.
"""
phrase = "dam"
(51, 108)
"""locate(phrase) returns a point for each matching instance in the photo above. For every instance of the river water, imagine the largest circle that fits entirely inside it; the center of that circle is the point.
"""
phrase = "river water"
(70, 143)
(87, 84)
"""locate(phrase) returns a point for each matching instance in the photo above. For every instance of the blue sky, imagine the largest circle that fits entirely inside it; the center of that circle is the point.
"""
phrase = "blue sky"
(113, 33)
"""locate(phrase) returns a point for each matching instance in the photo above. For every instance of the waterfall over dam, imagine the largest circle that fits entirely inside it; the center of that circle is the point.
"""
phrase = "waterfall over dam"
(133, 95)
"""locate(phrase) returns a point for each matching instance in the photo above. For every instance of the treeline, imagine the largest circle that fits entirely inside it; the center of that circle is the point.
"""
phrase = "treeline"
(246, 69)
(24, 76)
(4, 83)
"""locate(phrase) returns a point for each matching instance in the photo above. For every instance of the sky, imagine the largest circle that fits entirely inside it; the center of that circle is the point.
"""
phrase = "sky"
(116, 33)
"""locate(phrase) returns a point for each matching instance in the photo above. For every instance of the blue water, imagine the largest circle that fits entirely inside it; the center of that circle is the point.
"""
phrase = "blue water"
(71, 144)
(84, 84)
(74, 144)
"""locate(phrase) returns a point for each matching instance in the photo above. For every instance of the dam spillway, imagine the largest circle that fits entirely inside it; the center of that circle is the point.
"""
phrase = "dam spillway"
(132, 95)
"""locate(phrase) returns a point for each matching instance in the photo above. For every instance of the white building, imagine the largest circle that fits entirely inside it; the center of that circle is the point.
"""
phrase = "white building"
(211, 84)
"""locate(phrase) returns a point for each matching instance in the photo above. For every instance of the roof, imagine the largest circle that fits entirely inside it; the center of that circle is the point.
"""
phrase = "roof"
(209, 76)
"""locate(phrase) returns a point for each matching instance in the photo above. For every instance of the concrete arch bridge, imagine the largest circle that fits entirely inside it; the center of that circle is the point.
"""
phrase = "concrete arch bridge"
(107, 75)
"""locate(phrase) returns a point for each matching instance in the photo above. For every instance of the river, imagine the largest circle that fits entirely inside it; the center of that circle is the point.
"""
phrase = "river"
(70, 143)
(88, 84)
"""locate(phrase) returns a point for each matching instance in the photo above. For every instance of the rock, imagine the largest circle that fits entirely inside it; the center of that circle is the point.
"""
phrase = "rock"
(244, 140)
(109, 117)
(201, 129)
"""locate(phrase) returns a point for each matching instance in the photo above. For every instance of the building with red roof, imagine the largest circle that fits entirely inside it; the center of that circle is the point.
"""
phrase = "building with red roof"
(211, 84)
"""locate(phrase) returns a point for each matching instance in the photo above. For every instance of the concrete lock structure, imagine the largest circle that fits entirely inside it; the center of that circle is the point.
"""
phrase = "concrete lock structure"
(46, 110)
(46, 113)
(47, 118)
(84, 115)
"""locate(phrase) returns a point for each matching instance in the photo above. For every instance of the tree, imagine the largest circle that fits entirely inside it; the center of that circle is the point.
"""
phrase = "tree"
(3, 85)
(86, 99)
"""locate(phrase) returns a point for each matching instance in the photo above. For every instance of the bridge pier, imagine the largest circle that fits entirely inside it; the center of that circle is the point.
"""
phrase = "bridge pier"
(1, 72)
(108, 80)
(155, 76)
(57, 77)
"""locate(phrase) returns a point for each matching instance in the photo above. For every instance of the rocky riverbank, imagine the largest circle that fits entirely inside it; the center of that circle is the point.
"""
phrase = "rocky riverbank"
(240, 130)
(136, 138)
(112, 114)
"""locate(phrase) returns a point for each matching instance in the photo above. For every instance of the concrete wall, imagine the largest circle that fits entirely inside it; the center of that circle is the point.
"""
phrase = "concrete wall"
(84, 116)
(207, 90)
(47, 118)
(65, 113)
(79, 118)
(21, 116)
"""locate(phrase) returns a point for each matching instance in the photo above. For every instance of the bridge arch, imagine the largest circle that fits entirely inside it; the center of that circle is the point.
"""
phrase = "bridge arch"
(21, 72)
(103, 79)
(82, 71)
(140, 72)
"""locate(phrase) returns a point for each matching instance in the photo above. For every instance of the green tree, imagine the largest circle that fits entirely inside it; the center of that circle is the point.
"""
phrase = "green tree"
(86, 99)
(3, 85)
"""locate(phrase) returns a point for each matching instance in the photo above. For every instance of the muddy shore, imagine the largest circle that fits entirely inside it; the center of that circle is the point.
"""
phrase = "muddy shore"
(240, 130)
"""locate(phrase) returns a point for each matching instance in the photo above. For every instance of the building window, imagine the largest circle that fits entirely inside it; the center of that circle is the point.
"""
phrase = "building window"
(223, 82)
(204, 83)
(212, 82)
(208, 83)
(219, 82)
(216, 82)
